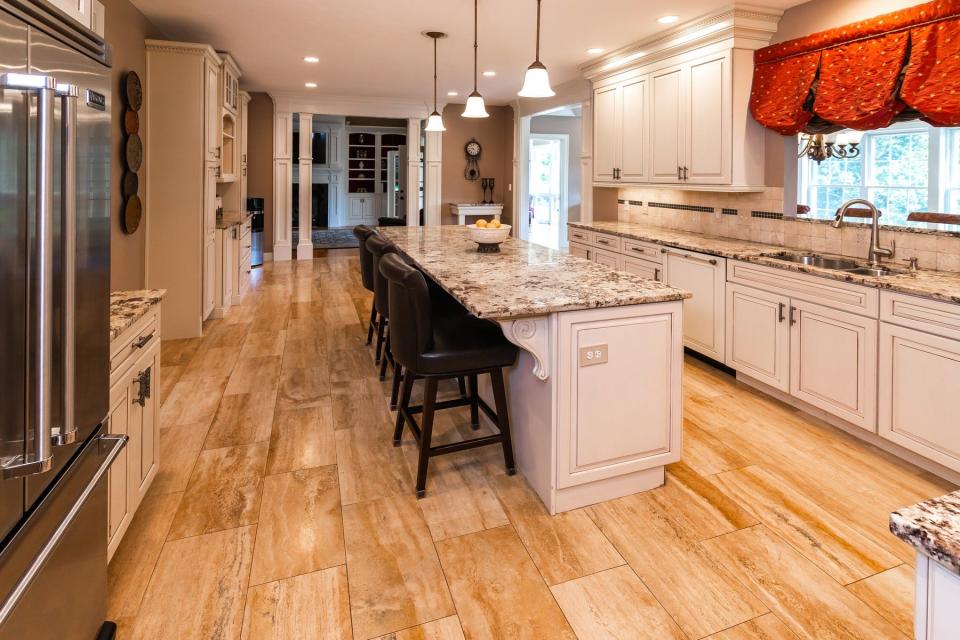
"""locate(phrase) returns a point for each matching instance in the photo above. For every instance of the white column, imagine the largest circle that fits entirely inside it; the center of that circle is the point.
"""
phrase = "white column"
(282, 186)
(521, 136)
(305, 243)
(413, 173)
(586, 161)
(433, 189)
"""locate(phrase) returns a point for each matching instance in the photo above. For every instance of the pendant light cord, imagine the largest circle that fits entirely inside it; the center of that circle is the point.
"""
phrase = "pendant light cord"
(475, 20)
(435, 75)
(538, 30)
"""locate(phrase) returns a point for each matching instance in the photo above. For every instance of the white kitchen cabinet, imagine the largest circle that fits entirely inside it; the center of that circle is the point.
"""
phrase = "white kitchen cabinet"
(758, 335)
(362, 208)
(667, 117)
(209, 242)
(620, 132)
(608, 259)
(134, 412)
(936, 616)
(704, 327)
(643, 268)
(833, 362)
(606, 108)
(920, 393)
(227, 254)
(242, 263)
(211, 112)
(79, 10)
(581, 250)
(708, 120)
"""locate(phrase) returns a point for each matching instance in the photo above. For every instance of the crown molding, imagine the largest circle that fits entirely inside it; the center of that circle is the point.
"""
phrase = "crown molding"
(189, 48)
(751, 26)
(299, 102)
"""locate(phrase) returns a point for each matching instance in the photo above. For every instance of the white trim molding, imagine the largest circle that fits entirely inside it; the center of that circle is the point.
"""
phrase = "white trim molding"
(305, 226)
(349, 106)
(282, 183)
(533, 336)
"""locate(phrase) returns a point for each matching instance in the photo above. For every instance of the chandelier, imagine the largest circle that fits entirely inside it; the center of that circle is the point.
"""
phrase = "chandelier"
(820, 147)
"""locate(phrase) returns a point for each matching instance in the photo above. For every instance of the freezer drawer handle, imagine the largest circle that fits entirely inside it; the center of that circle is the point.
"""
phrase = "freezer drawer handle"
(142, 341)
(68, 93)
(116, 444)
(40, 459)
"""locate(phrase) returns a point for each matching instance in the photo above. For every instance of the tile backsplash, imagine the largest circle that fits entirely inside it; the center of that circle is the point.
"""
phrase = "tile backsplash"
(760, 217)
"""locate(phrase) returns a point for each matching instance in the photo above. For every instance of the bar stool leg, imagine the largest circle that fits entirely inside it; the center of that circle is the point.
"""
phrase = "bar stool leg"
(474, 403)
(397, 376)
(373, 322)
(385, 357)
(503, 419)
(426, 431)
(403, 407)
(462, 387)
(381, 327)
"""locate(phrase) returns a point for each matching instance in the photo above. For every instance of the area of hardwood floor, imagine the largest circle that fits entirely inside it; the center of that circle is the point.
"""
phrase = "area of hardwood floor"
(282, 510)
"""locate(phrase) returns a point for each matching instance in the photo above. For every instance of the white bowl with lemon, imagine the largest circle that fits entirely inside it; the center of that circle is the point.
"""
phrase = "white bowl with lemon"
(488, 234)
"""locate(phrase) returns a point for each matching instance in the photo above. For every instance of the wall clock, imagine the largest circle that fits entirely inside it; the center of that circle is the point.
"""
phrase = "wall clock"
(472, 150)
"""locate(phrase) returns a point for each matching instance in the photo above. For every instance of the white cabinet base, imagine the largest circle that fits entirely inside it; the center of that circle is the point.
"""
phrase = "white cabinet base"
(936, 615)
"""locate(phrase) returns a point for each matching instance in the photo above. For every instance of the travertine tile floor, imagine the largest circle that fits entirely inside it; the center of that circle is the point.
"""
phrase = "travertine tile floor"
(282, 510)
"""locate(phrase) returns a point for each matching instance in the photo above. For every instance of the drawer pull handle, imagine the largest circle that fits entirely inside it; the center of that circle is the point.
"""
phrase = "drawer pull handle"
(687, 256)
(606, 242)
(142, 341)
(638, 249)
(781, 317)
(656, 274)
(793, 315)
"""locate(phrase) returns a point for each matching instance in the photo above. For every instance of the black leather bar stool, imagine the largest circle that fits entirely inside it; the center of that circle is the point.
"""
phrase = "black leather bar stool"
(378, 247)
(362, 232)
(437, 347)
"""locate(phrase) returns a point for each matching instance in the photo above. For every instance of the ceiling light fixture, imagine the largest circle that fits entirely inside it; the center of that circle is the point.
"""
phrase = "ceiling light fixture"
(311, 59)
(593, 51)
(489, 74)
(452, 94)
(536, 84)
(668, 19)
(435, 121)
(475, 107)
(310, 85)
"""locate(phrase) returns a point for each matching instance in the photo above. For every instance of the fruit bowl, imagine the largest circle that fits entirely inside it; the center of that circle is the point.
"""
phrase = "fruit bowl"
(488, 239)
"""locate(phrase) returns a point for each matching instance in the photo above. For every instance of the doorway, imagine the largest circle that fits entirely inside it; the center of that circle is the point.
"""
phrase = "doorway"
(548, 176)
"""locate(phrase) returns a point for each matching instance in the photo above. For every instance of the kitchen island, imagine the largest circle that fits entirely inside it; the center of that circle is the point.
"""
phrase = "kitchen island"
(595, 396)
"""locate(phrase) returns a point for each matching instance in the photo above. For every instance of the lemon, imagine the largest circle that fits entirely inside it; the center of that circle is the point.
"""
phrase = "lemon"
(481, 224)
(495, 224)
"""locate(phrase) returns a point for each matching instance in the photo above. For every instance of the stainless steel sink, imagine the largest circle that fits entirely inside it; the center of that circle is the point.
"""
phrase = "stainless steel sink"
(876, 272)
(813, 260)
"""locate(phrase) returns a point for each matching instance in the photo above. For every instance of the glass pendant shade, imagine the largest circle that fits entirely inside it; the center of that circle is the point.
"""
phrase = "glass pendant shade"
(536, 84)
(475, 107)
(435, 123)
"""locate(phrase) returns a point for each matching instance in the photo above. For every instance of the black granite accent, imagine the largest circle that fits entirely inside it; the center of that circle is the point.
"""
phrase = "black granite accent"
(729, 212)
(681, 207)
(771, 215)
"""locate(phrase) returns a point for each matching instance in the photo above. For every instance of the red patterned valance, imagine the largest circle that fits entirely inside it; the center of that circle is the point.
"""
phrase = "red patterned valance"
(863, 75)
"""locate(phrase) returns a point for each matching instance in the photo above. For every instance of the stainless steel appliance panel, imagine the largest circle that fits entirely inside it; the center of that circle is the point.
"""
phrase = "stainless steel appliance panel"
(13, 267)
(90, 313)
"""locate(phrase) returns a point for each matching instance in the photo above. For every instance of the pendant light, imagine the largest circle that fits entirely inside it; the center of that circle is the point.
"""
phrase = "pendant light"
(435, 121)
(475, 107)
(536, 84)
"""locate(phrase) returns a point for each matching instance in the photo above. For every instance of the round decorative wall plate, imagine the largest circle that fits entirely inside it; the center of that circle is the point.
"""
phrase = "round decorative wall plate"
(131, 122)
(131, 184)
(132, 213)
(134, 152)
(133, 90)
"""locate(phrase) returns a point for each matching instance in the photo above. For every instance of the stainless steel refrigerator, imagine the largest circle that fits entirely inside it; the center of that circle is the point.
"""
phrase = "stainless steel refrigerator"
(54, 324)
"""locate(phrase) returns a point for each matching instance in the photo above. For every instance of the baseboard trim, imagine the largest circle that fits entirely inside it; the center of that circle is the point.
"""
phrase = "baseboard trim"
(858, 432)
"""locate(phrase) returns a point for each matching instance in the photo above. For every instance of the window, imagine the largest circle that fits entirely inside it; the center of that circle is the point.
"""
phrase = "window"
(905, 168)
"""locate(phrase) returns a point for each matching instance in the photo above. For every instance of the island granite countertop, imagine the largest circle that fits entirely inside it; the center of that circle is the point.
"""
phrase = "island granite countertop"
(126, 307)
(523, 279)
(937, 285)
(231, 219)
(933, 528)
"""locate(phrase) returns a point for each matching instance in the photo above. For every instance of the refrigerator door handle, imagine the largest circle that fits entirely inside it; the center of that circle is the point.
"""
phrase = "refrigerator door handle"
(115, 443)
(40, 459)
(68, 93)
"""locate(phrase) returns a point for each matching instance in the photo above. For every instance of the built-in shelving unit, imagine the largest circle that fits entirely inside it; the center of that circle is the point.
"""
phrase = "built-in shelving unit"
(362, 163)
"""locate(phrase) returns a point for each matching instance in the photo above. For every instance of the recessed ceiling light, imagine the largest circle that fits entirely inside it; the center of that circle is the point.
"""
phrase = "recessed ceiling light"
(489, 74)
(594, 50)
(667, 19)
(311, 59)
(310, 85)
(452, 93)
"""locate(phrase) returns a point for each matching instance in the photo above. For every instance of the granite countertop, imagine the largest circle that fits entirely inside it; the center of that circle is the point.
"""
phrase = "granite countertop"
(232, 219)
(126, 307)
(937, 285)
(523, 279)
(932, 527)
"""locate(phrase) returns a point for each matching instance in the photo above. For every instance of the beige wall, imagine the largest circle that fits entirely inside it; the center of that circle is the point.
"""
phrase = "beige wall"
(803, 20)
(260, 159)
(495, 135)
(126, 29)
(572, 128)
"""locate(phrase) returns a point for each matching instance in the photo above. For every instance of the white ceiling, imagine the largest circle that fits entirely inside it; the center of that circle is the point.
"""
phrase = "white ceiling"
(373, 48)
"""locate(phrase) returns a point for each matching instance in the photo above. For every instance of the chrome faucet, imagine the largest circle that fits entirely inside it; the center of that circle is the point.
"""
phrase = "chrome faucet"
(876, 251)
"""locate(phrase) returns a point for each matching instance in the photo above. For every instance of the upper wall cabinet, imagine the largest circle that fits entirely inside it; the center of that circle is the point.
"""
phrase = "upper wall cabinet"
(677, 113)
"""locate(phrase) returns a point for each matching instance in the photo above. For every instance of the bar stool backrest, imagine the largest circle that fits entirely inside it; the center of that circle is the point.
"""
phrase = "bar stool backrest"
(378, 248)
(411, 319)
(362, 232)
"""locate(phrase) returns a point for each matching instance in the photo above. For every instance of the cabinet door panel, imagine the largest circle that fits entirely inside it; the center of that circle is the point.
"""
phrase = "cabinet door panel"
(833, 362)
(633, 140)
(118, 504)
(758, 335)
(606, 116)
(211, 113)
(666, 122)
(608, 259)
(708, 135)
(643, 268)
(919, 391)
(580, 250)
(703, 314)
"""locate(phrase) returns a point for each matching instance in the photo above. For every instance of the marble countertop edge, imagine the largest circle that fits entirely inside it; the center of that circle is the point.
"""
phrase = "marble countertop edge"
(933, 528)
(126, 307)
